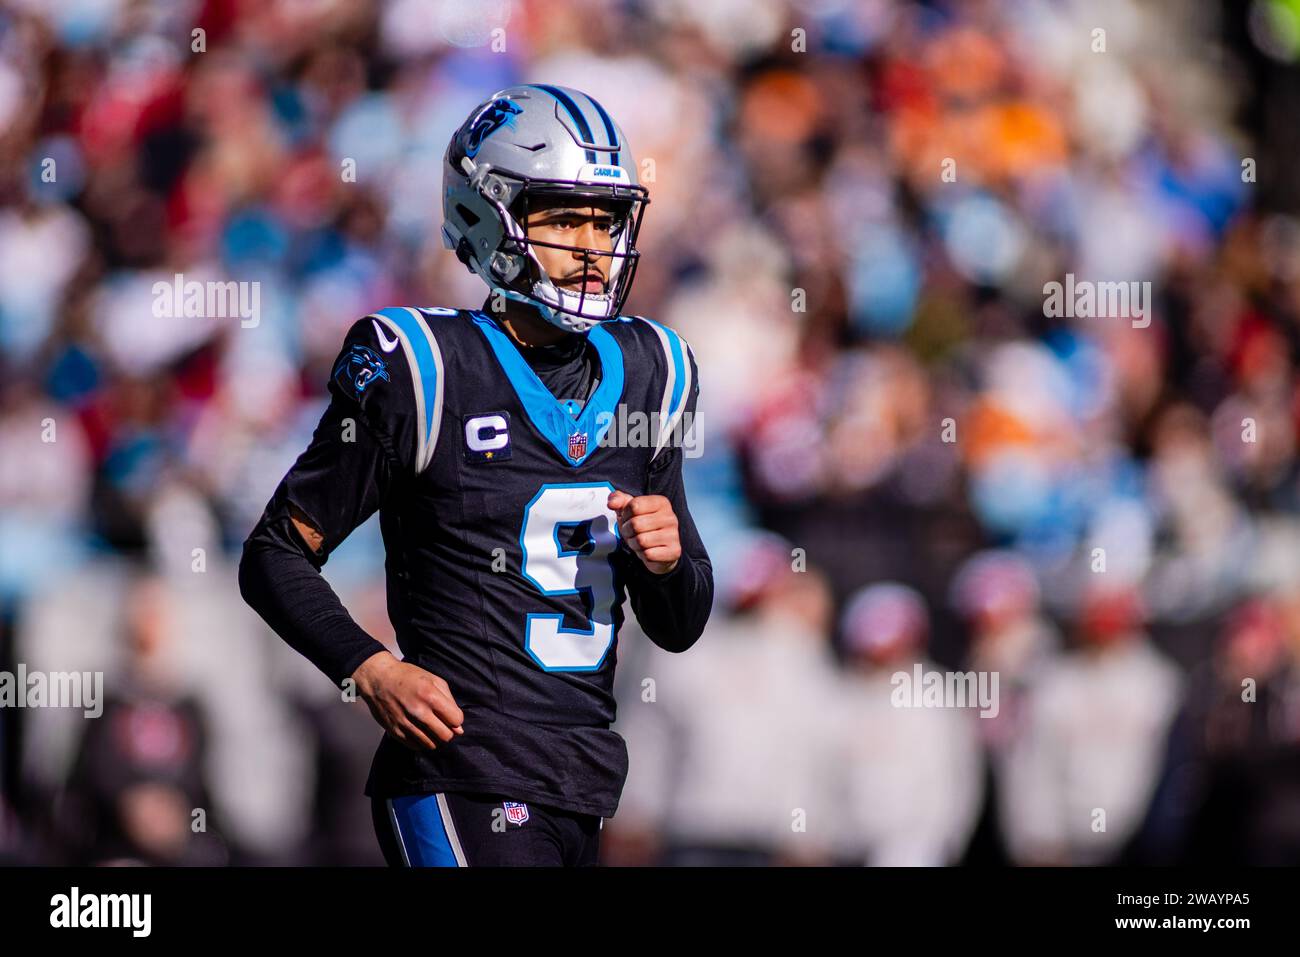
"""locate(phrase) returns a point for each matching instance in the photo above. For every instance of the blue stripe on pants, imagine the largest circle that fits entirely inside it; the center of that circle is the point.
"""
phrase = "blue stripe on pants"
(421, 831)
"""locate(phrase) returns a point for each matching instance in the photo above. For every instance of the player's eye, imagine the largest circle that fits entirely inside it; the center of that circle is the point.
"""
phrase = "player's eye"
(575, 221)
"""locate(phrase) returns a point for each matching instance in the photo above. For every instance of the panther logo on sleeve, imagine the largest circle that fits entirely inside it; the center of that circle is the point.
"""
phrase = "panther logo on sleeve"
(358, 369)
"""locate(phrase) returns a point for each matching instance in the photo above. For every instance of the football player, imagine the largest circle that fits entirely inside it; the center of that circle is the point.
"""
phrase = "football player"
(513, 526)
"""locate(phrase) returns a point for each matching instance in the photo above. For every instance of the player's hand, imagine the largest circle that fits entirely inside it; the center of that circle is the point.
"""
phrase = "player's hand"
(648, 526)
(415, 706)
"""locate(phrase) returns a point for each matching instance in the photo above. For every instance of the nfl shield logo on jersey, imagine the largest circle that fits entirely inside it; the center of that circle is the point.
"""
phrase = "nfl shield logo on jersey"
(577, 444)
(516, 813)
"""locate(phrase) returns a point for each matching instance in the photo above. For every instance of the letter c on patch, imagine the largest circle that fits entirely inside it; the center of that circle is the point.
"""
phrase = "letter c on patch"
(486, 433)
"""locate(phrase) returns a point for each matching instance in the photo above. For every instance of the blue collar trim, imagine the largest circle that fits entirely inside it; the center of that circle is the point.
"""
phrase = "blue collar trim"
(548, 414)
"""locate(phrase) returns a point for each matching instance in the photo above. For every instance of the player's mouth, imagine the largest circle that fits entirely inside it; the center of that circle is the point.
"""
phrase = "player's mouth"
(578, 286)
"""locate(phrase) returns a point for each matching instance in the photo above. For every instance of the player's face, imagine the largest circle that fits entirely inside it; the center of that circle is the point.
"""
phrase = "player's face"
(590, 227)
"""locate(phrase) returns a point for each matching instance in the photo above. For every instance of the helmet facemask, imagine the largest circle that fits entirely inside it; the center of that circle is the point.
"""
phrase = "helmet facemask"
(517, 271)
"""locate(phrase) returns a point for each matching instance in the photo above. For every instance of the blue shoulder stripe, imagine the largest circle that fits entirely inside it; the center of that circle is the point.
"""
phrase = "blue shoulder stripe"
(424, 359)
(679, 367)
(677, 383)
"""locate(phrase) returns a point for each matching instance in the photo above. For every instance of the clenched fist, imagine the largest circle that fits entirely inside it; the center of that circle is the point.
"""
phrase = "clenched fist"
(415, 706)
(648, 526)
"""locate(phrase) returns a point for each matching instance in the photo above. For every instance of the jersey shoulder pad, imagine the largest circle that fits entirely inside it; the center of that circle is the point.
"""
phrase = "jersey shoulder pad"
(391, 366)
(679, 385)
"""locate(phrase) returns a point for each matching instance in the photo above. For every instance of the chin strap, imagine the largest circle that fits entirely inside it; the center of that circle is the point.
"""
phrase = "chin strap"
(569, 323)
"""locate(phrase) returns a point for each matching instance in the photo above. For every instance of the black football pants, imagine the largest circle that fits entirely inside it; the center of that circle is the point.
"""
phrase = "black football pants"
(451, 829)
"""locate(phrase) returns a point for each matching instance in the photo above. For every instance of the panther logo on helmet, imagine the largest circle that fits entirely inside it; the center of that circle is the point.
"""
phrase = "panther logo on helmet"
(487, 121)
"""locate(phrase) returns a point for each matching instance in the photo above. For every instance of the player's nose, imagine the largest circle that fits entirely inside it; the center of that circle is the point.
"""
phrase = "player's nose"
(586, 242)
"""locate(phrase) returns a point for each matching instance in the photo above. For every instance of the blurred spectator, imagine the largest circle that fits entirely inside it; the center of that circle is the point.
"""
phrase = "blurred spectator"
(914, 772)
(1231, 789)
(136, 793)
(1096, 720)
(731, 760)
(997, 595)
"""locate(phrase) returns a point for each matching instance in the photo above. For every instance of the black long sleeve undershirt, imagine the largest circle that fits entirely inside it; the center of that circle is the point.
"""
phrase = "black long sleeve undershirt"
(283, 586)
(279, 574)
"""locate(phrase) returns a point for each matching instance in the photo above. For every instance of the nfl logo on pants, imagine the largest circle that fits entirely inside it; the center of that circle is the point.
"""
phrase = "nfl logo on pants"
(516, 813)
(577, 445)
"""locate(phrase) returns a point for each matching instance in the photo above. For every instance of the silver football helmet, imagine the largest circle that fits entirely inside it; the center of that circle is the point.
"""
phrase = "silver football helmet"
(531, 141)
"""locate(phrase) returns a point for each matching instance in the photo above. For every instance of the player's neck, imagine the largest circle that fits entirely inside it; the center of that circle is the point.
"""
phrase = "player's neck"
(527, 328)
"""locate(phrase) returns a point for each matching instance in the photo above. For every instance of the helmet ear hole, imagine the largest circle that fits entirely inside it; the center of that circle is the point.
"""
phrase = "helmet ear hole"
(465, 253)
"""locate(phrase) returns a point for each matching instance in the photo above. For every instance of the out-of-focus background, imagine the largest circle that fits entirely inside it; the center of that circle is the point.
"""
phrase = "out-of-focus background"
(907, 460)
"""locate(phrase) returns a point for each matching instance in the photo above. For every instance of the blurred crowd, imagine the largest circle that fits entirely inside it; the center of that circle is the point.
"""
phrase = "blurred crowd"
(907, 461)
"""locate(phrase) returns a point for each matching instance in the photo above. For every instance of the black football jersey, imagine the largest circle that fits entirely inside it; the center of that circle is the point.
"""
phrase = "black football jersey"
(505, 572)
